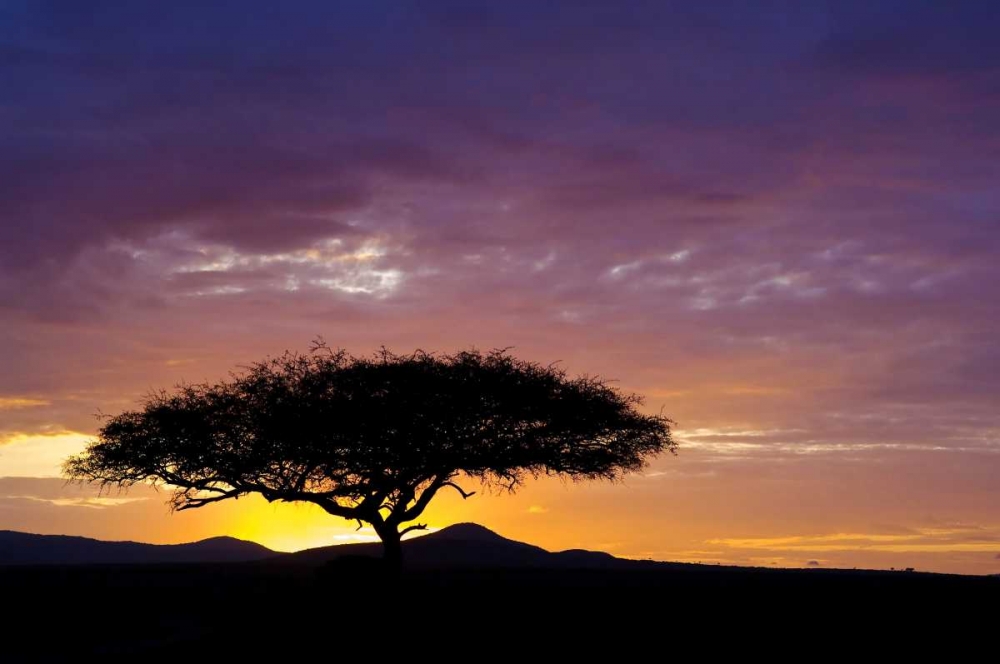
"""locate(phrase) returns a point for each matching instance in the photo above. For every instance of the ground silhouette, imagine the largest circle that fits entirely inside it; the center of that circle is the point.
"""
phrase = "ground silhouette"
(487, 590)
(30, 549)
(467, 546)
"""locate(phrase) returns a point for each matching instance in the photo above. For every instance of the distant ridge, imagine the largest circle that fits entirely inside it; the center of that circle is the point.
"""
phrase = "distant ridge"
(469, 545)
(463, 545)
(30, 549)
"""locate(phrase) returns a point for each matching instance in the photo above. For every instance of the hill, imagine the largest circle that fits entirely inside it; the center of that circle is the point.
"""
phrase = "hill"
(30, 549)
(467, 545)
(461, 546)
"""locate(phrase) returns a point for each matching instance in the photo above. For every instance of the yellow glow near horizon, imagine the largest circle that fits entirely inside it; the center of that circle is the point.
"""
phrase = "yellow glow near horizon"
(39, 455)
(298, 526)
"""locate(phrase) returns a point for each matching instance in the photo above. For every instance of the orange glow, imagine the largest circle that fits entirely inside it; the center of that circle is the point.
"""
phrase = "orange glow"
(14, 403)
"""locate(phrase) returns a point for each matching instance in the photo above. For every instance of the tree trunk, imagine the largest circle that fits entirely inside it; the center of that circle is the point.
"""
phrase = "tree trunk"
(392, 551)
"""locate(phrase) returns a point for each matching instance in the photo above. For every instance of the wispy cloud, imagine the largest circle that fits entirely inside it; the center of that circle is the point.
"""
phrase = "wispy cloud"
(16, 403)
(96, 502)
(926, 540)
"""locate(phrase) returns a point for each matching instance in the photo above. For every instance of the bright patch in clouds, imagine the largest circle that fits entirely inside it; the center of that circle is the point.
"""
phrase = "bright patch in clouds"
(327, 265)
(38, 455)
(370, 282)
(193, 268)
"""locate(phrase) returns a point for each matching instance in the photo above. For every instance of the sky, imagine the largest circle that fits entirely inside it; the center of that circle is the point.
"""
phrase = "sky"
(778, 221)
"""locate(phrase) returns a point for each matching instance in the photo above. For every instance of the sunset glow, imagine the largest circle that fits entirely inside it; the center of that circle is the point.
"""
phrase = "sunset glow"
(781, 227)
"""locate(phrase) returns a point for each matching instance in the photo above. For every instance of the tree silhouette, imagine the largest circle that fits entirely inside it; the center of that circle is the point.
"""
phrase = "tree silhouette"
(373, 439)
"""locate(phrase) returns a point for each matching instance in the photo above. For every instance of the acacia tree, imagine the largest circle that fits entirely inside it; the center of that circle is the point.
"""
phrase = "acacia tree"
(373, 439)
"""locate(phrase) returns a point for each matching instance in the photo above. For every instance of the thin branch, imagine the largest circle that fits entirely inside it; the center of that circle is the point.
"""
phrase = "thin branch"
(319, 345)
(336, 509)
(416, 526)
(194, 503)
(418, 507)
(465, 494)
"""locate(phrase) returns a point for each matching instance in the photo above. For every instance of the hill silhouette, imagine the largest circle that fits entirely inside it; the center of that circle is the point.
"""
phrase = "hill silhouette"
(469, 545)
(463, 548)
(30, 549)
(463, 545)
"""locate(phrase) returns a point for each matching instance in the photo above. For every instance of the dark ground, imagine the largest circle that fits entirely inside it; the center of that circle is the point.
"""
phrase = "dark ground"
(268, 612)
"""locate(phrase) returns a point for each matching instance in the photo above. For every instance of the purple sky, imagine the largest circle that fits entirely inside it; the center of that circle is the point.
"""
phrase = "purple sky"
(780, 221)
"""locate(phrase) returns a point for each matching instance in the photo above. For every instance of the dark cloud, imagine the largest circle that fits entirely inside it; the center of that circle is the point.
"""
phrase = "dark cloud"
(813, 563)
(914, 38)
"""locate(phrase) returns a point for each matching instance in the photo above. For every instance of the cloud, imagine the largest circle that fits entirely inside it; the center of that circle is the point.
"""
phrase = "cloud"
(30, 494)
(917, 44)
(16, 403)
(98, 502)
(923, 540)
(813, 563)
(537, 509)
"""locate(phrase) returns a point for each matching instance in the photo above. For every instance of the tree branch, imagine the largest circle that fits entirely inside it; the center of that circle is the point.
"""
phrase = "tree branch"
(330, 506)
(416, 526)
(421, 504)
(465, 494)
(189, 503)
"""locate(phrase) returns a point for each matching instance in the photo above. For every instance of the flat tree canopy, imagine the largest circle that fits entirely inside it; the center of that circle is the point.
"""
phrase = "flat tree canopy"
(374, 438)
